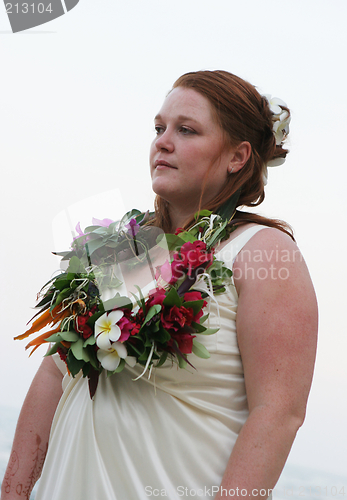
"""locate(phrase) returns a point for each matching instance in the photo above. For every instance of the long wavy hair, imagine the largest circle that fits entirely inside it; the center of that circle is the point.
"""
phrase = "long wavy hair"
(243, 115)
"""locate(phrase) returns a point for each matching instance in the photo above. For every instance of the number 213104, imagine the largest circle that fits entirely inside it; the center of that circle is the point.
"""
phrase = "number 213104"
(25, 8)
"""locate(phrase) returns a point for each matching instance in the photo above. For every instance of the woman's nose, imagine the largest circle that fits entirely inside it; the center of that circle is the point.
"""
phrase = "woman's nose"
(164, 141)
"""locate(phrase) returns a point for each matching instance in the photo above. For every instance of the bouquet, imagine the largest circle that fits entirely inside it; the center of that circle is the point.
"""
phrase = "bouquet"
(92, 335)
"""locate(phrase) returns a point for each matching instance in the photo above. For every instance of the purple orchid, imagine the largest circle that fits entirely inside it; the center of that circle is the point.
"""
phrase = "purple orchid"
(133, 226)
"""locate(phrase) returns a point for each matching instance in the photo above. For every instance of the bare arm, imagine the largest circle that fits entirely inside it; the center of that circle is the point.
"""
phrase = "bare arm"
(277, 329)
(32, 432)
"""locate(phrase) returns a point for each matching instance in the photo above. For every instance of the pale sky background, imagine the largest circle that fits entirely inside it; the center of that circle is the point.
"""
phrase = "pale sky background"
(78, 97)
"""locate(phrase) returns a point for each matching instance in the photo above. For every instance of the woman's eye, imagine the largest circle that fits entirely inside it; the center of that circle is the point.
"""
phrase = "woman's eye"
(186, 130)
(158, 129)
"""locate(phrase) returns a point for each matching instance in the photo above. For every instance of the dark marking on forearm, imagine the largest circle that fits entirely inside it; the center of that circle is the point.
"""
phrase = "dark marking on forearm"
(24, 489)
(13, 466)
(39, 456)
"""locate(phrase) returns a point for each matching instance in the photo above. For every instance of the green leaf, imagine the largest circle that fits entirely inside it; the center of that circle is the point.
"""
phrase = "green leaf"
(46, 299)
(69, 336)
(93, 358)
(202, 213)
(78, 351)
(62, 283)
(75, 266)
(196, 305)
(173, 299)
(182, 363)
(197, 327)
(216, 236)
(202, 330)
(90, 341)
(54, 338)
(94, 245)
(100, 230)
(162, 359)
(73, 364)
(53, 349)
(86, 369)
(170, 242)
(142, 300)
(119, 368)
(200, 350)
(132, 214)
(188, 237)
(95, 316)
(203, 318)
(62, 295)
(160, 336)
(154, 310)
(117, 302)
(134, 351)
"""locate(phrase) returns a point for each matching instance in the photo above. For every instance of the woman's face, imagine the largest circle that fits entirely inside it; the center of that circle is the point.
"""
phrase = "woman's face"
(189, 143)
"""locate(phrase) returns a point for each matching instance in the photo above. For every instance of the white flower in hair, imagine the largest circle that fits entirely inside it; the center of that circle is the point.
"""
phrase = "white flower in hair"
(280, 127)
(280, 119)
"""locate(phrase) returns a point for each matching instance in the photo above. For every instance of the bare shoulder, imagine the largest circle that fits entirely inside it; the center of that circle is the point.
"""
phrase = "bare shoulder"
(270, 255)
(277, 320)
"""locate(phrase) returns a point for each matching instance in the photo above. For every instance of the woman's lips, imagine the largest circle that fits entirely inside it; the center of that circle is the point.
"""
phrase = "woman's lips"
(162, 164)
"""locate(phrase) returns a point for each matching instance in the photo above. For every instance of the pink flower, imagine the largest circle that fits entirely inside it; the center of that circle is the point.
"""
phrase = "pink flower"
(79, 234)
(170, 273)
(126, 326)
(164, 272)
(102, 222)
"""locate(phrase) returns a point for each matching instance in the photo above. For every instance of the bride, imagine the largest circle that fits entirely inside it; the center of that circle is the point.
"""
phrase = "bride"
(224, 429)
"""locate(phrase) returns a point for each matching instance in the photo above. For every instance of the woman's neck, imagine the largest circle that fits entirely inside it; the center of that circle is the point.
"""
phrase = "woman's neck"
(179, 216)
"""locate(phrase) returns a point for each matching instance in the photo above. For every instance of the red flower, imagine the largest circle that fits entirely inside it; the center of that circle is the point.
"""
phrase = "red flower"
(62, 353)
(184, 341)
(190, 296)
(178, 231)
(135, 329)
(176, 318)
(177, 268)
(156, 297)
(82, 327)
(193, 255)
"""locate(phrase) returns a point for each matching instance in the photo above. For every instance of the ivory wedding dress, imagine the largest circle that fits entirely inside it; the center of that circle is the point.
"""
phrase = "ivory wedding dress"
(169, 436)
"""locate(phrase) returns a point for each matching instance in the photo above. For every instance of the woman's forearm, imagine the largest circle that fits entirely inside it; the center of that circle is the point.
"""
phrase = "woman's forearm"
(32, 433)
(259, 454)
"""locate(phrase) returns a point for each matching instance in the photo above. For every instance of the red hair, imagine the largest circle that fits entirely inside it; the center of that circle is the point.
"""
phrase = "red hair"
(243, 115)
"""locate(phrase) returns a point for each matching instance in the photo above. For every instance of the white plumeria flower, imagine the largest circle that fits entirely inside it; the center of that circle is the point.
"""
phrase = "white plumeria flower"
(280, 119)
(110, 359)
(106, 330)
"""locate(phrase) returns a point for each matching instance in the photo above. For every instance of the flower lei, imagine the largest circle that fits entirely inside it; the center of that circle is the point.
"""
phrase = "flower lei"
(93, 335)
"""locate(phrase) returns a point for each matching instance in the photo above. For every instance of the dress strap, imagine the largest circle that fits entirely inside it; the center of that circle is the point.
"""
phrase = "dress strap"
(229, 252)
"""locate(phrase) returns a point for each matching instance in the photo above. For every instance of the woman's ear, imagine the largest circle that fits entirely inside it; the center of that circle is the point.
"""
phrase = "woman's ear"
(240, 156)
